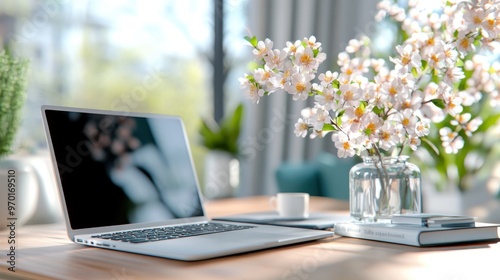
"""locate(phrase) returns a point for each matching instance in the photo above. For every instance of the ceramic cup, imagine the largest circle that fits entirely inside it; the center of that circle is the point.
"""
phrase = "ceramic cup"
(291, 205)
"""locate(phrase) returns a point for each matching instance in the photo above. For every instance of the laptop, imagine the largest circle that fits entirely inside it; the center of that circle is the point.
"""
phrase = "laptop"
(127, 182)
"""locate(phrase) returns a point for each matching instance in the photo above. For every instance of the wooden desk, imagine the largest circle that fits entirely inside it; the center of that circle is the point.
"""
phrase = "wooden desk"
(45, 252)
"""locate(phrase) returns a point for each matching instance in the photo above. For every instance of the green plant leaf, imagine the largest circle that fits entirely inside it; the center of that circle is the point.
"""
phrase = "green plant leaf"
(424, 63)
(328, 127)
(414, 72)
(252, 40)
(488, 122)
(378, 110)
(230, 128)
(315, 52)
(224, 136)
(12, 97)
(431, 145)
(439, 103)
(463, 83)
(208, 133)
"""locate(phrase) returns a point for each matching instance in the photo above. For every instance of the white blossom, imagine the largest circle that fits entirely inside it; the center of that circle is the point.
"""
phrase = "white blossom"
(408, 58)
(389, 135)
(345, 147)
(350, 95)
(328, 98)
(452, 142)
(263, 47)
(301, 128)
(300, 86)
(327, 78)
(275, 59)
(434, 74)
(291, 48)
(251, 90)
(453, 74)
(320, 118)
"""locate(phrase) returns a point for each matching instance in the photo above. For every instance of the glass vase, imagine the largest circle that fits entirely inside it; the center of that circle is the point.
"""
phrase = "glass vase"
(382, 186)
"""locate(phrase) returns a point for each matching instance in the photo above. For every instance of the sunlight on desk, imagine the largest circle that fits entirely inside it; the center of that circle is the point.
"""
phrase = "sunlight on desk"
(45, 252)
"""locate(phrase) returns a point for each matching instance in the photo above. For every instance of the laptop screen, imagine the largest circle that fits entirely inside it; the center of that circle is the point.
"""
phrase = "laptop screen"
(118, 170)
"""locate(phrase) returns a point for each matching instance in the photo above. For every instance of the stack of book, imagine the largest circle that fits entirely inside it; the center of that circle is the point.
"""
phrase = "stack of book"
(423, 230)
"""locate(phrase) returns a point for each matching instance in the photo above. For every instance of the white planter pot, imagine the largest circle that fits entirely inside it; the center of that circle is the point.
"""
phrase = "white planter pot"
(19, 192)
(35, 198)
(221, 175)
(48, 205)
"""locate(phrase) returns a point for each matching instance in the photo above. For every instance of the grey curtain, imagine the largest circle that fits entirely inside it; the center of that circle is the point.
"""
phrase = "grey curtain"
(268, 139)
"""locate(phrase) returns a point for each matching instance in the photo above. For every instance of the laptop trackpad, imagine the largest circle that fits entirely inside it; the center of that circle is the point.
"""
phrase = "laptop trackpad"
(235, 240)
(241, 237)
(211, 245)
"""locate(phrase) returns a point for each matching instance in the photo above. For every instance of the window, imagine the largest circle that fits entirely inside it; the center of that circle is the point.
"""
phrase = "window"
(127, 55)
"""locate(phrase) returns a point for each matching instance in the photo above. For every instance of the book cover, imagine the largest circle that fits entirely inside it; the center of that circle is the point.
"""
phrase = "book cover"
(418, 235)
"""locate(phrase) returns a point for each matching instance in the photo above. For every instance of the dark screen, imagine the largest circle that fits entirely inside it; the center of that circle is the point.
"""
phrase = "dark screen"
(118, 170)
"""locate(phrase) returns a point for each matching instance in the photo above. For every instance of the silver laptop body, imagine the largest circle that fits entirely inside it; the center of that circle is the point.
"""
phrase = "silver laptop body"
(129, 171)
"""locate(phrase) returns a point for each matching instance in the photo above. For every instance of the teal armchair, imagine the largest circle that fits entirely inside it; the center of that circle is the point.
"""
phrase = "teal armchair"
(326, 176)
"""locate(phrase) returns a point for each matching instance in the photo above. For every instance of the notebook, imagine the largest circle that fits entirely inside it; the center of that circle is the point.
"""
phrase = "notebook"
(127, 182)
(316, 220)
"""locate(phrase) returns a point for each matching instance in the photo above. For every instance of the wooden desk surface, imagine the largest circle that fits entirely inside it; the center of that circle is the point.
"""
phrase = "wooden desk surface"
(45, 252)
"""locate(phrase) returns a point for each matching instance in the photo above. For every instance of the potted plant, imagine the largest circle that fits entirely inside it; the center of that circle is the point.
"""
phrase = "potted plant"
(221, 164)
(12, 95)
(18, 188)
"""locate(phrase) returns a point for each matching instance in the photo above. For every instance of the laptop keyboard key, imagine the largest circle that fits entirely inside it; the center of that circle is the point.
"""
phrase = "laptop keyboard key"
(139, 240)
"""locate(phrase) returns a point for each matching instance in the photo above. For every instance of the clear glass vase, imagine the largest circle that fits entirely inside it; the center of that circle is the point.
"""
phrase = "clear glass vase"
(381, 187)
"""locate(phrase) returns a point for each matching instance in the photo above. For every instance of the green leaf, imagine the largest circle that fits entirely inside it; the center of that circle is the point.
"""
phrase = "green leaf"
(463, 83)
(435, 78)
(440, 159)
(488, 122)
(254, 65)
(363, 105)
(231, 129)
(378, 111)
(478, 39)
(439, 103)
(431, 145)
(208, 133)
(224, 136)
(253, 40)
(328, 127)
(414, 72)
(424, 64)
(315, 52)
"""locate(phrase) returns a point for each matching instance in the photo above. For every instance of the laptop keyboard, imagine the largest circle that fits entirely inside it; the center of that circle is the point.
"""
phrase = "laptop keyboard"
(171, 232)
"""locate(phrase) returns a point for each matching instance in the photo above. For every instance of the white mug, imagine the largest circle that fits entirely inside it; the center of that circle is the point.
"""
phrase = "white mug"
(291, 205)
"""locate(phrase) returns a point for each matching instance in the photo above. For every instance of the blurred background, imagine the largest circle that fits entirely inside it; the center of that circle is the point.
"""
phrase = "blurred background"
(122, 55)
(160, 57)
(184, 58)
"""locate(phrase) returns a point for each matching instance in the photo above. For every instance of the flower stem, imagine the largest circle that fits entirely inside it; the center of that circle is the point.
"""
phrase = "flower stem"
(385, 182)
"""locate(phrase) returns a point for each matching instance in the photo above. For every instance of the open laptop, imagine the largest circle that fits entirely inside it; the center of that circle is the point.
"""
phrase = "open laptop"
(127, 183)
